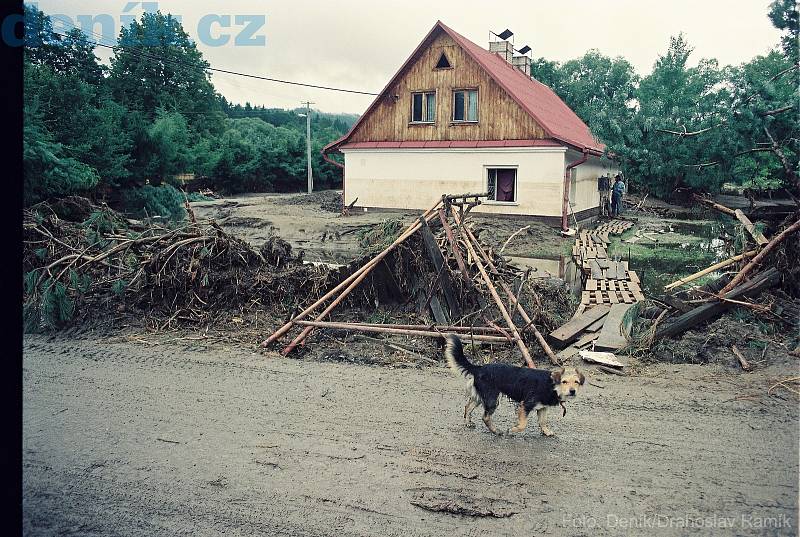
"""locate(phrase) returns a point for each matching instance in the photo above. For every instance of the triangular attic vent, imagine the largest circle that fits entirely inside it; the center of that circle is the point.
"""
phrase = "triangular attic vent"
(443, 62)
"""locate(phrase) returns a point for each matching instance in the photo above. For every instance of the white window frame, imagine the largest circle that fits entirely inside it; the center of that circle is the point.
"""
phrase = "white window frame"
(466, 91)
(425, 111)
(487, 170)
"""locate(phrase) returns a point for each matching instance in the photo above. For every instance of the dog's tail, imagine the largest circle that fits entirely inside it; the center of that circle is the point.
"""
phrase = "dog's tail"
(458, 363)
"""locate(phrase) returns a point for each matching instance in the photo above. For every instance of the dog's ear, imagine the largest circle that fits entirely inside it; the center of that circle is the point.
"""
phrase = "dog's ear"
(556, 375)
(581, 378)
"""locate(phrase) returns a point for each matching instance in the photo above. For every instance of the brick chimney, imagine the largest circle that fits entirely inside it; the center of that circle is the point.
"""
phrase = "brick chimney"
(503, 48)
(523, 63)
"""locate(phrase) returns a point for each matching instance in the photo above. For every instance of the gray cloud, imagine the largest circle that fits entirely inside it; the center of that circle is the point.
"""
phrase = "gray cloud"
(359, 44)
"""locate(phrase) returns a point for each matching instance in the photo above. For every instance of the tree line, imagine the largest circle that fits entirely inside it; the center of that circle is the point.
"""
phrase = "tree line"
(693, 126)
(126, 132)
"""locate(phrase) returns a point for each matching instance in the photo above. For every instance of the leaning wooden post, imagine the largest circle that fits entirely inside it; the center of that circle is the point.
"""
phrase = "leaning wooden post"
(347, 281)
(448, 231)
(517, 337)
(525, 317)
(429, 215)
(758, 258)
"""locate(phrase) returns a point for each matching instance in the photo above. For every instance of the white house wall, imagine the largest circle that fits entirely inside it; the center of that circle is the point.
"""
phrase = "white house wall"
(586, 194)
(415, 178)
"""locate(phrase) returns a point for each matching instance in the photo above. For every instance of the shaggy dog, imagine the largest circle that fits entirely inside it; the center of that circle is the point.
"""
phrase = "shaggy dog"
(533, 389)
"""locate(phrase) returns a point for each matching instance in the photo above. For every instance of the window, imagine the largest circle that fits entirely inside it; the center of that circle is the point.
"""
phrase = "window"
(423, 107)
(443, 62)
(465, 105)
(502, 184)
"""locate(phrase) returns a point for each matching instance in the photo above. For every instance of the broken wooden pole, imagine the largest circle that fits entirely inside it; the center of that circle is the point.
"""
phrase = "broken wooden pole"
(517, 336)
(714, 205)
(708, 311)
(794, 228)
(347, 282)
(525, 317)
(759, 237)
(742, 361)
(712, 268)
(448, 232)
(488, 330)
(388, 329)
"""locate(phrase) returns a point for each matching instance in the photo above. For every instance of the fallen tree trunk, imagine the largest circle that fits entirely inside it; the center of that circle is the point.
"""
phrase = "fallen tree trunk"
(708, 311)
(794, 228)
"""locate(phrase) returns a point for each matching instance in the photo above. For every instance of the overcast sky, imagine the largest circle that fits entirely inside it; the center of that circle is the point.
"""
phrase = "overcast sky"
(360, 44)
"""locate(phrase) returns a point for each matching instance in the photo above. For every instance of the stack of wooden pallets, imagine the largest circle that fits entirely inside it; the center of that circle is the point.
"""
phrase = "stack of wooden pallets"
(610, 289)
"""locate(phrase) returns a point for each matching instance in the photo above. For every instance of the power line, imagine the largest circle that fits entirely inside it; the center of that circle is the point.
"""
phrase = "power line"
(236, 73)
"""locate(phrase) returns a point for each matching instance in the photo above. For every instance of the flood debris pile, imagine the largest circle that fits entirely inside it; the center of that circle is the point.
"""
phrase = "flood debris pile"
(464, 288)
(82, 261)
(759, 286)
(326, 200)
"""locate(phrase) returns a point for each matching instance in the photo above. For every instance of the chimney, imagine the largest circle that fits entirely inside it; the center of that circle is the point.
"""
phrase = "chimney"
(504, 48)
(523, 63)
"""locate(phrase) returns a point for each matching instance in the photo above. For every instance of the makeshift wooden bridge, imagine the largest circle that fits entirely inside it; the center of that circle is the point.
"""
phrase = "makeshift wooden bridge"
(609, 289)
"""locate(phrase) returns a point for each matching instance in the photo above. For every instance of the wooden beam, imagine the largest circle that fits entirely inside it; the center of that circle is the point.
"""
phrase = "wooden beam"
(356, 327)
(517, 337)
(759, 237)
(358, 275)
(712, 268)
(692, 318)
(571, 330)
(436, 257)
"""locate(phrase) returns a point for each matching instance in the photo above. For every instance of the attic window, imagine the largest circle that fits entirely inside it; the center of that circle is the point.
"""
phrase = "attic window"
(443, 62)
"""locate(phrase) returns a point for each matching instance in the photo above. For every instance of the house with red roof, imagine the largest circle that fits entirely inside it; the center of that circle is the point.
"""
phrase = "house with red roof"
(458, 118)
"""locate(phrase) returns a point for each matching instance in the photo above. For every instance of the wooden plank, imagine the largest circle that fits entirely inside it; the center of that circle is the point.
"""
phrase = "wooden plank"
(612, 335)
(598, 297)
(597, 272)
(603, 263)
(612, 285)
(760, 239)
(585, 339)
(612, 296)
(586, 297)
(595, 326)
(611, 271)
(591, 285)
(632, 276)
(571, 330)
(435, 255)
(438, 311)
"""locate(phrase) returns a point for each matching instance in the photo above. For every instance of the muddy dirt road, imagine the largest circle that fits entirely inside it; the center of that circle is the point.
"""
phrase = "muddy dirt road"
(124, 439)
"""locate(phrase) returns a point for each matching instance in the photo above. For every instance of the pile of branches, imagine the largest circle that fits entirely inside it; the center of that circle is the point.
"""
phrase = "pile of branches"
(77, 267)
(764, 284)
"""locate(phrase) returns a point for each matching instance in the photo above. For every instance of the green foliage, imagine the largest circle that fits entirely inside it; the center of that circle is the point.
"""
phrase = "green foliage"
(258, 157)
(164, 201)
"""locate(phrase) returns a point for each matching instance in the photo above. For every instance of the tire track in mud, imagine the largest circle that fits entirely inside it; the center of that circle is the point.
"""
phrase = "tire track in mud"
(125, 439)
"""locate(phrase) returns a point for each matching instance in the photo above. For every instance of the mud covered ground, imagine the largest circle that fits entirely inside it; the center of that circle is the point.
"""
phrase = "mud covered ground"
(126, 438)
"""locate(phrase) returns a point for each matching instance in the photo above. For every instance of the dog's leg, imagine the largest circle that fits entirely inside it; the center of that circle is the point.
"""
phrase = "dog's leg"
(472, 404)
(522, 419)
(540, 415)
(487, 419)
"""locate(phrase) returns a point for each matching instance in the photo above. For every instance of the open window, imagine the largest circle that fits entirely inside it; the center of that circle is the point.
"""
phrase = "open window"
(502, 184)
(423, 107)
(465, 105)
(443, 62)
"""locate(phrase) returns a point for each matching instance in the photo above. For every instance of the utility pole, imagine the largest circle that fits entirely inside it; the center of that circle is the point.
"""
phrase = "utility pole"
(308, 146)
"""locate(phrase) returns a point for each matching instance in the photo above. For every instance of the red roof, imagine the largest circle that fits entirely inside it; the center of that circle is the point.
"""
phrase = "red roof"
(539, 101)
(448, 143)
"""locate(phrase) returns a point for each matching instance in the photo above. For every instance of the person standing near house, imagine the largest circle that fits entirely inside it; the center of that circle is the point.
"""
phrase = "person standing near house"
(604, 188)
(617, 191)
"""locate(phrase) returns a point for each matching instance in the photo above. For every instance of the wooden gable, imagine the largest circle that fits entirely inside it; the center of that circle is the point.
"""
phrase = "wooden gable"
(499, 116)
